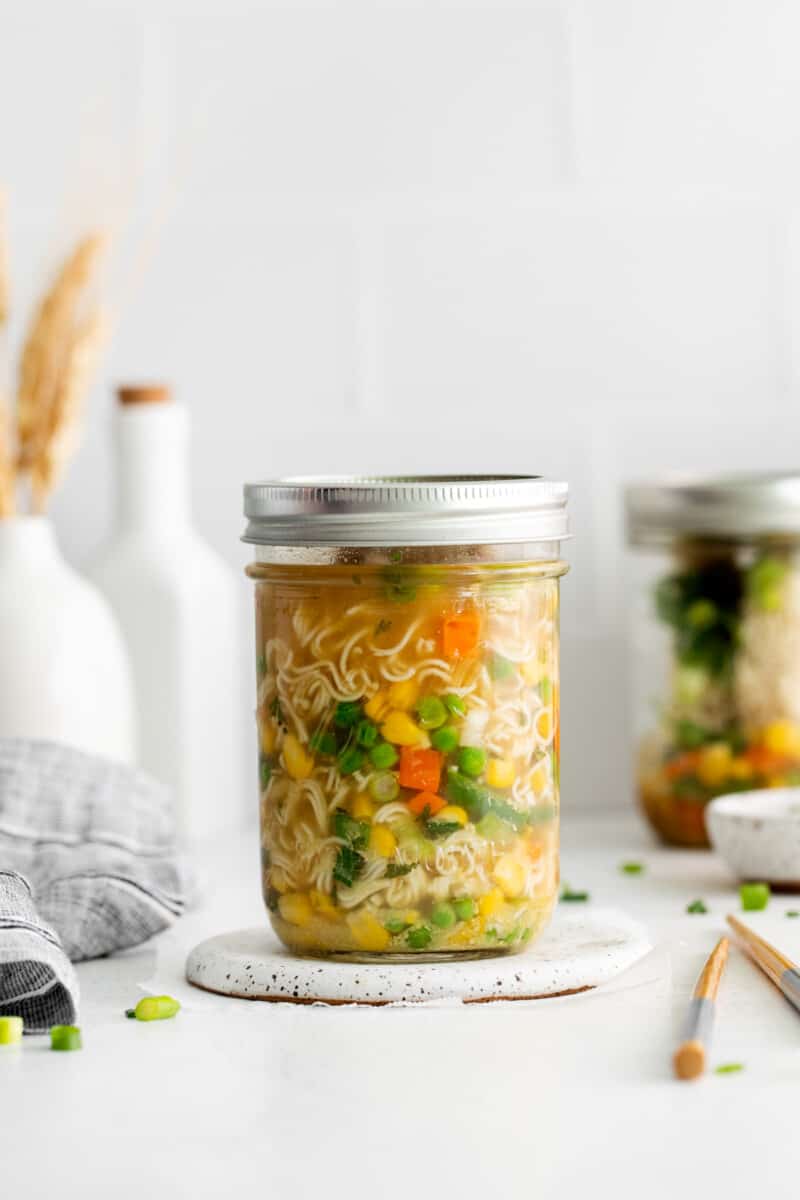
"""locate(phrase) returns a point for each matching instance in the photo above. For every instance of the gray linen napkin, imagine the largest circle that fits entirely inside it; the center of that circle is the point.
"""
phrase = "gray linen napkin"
(88, 865)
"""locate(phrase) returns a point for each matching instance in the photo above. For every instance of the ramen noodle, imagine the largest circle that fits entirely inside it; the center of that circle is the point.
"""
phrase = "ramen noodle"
(408, 755)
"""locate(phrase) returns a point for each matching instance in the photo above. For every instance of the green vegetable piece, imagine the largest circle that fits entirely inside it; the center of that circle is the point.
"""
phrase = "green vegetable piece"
(454, 705)
(348, 866)
(264, 771)
(701, 614)
(438, 829)
(397, 588)
(527, 933)
(465, 908)
(792, 912)
(443, 915)
(689, 736)
(261, 666)
(697, 906)
(154, 1008)
(367, 734)
(383, 755)
(65, 1037)
(546, 689)
(395, 925)
(472, 796)
(632, 868)
(495, 829)
(754, 896)
(570, 897)
(501, 668)
(11, 1030)
(419, 938)
(728, 1068)
(350, 760)
(347, 714)
(383, 787)
(395, 870)
(472, 761)
(323, 742)
(431, 712)
(445, 740)
(765, 581)
(356, 833)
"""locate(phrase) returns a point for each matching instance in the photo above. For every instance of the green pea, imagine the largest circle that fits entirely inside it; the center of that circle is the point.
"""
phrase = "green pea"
(383, 756)
(65, 1037)
(445, 740)
(323, 742)
(395, 925)
(471, 760)
(154, 1008)
(443, 915)
(10, 1030)
(419, 938)
(465, 908)
(431, 712)
(454, 705)
(366, 734)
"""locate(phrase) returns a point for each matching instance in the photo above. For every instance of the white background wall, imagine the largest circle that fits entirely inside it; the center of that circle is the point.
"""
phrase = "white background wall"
(556, 236)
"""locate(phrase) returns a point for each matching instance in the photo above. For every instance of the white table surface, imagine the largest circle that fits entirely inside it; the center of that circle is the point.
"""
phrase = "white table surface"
(566, 1097)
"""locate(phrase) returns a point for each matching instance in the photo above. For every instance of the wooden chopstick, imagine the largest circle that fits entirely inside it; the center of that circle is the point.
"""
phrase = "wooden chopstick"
(689, 1059)
(776, 966)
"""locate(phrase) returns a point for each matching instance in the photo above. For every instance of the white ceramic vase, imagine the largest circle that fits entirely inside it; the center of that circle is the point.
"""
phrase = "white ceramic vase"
(64, 672)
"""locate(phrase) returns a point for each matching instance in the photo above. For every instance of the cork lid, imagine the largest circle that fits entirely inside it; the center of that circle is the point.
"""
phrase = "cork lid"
(144, 393)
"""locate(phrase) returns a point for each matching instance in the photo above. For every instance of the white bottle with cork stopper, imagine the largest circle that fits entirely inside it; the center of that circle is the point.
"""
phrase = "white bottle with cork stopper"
(176, 601)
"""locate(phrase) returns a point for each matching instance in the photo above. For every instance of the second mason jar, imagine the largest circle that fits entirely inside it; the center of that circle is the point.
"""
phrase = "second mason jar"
(716, 639)
(407, 661)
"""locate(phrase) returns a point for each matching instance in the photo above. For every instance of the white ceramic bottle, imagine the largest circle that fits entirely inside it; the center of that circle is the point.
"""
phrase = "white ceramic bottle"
(64, 673)
(177, 603)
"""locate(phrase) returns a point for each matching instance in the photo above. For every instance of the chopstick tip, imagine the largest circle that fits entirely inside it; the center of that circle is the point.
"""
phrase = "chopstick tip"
(690, 1060)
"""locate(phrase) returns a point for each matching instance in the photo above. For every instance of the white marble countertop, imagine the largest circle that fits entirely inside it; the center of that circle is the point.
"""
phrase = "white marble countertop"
(564, 1096)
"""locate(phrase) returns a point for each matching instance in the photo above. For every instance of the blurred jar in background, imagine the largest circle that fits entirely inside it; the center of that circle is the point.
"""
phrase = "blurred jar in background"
(716, 643)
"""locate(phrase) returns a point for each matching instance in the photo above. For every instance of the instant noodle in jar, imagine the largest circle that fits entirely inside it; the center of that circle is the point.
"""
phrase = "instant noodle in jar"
(408, 699)
(716, 643)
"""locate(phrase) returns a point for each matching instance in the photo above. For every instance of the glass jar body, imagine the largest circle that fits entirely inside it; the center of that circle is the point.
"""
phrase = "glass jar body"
(716, 633)
(408, 751)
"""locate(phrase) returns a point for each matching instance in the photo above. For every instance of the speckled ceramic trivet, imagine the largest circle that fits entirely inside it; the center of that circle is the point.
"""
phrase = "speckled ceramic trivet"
(579, 950)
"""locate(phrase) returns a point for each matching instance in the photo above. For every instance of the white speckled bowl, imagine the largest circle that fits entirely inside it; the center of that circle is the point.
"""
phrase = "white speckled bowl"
(758, 835)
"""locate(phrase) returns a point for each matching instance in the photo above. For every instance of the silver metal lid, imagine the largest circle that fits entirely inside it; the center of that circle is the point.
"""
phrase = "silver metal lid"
(724, 506)
(405, 510)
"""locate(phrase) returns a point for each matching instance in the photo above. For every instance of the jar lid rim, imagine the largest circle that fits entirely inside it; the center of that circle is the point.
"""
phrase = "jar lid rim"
(734, 505)
(412, 510)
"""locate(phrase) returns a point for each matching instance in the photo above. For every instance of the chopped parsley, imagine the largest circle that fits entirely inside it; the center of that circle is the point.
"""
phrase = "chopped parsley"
(697, 906)
(438, 829)
(632, 868)
(395, 870)
(348, 866)
(792, 912)
(570, 897)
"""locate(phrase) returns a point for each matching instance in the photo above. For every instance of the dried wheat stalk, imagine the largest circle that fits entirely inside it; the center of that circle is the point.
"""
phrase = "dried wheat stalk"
(48, 355)
(60, 435)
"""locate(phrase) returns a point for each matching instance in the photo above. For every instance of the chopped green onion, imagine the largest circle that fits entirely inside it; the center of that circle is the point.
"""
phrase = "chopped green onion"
(754, 896)
(728, 1068)
(366, 734)
(11, 1030)
(65, 1037)
(697, 906)
(350, 830)
(571, 897)
(261, 666)
(323, 742)
(546, 689)
(384, 787)
(632, 868)
(419, 938)
(454, 705)
(264, 772)
(431, 712)
(471, 760)
(154, 1008)
(465, 908)
(350, 760)
(383, 755)
(793, 912)
(443, 915)
(445, 740)
(501, 668)
(347, 714)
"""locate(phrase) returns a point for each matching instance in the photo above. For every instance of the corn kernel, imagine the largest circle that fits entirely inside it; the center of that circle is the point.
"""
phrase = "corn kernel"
(509, 873)
(490, 902)
(377, 706)
(295, 907)
(411, 916)
(404, 694)
(362, 808)
(298, 764)
(783, 738)
(740, 769)
(499, 773)
(540, 777)
(533, 671)
(400, 729)
(267, 735)
(544, 724)
(367, 931)
(382, 841)
(714, 764)
(322, 903)
(453, 812)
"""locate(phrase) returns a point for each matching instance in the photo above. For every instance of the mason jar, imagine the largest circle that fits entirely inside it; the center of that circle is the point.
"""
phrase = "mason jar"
(408, 697)
(716, 640)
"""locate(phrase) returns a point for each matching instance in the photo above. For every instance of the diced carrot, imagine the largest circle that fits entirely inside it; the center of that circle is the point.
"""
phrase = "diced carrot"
(763, 761)
(681, 764)
(420, 769)
(460, 632)
(434, 804)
